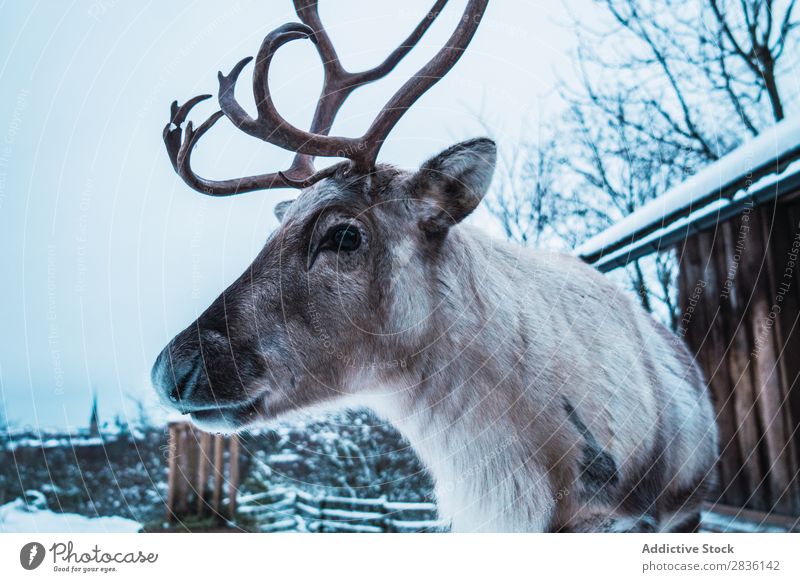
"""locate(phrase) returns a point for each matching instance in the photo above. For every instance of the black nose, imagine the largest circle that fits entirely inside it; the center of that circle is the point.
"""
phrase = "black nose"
(181, 371)
(175, 377)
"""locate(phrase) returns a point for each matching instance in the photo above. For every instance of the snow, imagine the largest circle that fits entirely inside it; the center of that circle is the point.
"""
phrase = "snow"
(277, 493)
(357, 500)
(346, 514)
(660, 238)
(415, 526)
(779, 141)
(305, 495)
(18, 517)
(350, 527)
(68, 441)
(717, 522)
(284, 458)
(277, 507)
(407, 506)
(288, 524)
(309, 509)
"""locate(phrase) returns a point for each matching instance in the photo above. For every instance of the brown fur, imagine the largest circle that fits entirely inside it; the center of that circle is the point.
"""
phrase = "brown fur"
(540, 396)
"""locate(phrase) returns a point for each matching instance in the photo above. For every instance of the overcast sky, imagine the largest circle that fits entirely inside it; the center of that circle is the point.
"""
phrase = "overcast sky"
(106, 253)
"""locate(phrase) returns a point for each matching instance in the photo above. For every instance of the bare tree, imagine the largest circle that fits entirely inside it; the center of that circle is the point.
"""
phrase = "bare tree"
(140, 419)
(525, 196)
(663, 88)
(698, 76)
(556, 191)
(754, 35)
(6, 425)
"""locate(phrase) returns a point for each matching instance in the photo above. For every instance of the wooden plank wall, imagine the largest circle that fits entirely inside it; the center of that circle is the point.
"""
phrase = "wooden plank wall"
(739, 295)
(201, 467)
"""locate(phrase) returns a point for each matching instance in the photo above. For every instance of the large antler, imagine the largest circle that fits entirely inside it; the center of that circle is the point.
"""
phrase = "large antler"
(338, 84)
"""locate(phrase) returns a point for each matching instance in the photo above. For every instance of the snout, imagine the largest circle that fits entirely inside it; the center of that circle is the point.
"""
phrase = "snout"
(176, 376)
(202, 373)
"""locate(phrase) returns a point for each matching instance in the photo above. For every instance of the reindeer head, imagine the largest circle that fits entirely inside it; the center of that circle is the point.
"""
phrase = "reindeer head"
(341, 293)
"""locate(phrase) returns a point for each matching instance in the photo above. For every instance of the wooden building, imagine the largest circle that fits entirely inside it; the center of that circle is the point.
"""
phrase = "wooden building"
(735, 229)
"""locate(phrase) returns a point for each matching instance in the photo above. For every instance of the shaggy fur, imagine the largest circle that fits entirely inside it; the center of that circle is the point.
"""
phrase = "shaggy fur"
(539, 394)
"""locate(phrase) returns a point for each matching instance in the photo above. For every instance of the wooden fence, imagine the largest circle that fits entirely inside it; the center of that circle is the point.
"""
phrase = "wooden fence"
(289, 510)
(718, 518)
(281, 510)
(204, 477)
(739, 293)
(202, 469)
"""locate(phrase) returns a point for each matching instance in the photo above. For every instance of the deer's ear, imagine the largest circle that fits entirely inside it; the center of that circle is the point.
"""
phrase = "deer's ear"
(452, 184)
(281, 208)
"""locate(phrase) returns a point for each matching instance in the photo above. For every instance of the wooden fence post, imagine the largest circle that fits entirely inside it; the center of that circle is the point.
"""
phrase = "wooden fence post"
(388, 525)
(172, 468)
(192, 472)
(182, 473)
(203, 463)
(234, 476)
(219, 469)
(192, 452)
(321, 505)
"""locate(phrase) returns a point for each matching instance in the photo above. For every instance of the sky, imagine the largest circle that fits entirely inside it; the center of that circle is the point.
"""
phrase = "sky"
(105, 254)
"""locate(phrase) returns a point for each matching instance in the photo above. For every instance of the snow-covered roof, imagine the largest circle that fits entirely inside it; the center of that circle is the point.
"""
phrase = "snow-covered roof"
(760, 170)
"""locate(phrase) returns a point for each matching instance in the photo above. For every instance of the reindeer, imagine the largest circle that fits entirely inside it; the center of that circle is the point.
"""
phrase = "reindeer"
(540, 396)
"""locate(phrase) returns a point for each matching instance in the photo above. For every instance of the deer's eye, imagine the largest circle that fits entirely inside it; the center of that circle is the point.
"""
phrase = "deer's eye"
(344, 237)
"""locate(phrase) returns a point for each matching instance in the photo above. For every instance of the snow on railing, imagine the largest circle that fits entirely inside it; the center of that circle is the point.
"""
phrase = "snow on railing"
(282, 509)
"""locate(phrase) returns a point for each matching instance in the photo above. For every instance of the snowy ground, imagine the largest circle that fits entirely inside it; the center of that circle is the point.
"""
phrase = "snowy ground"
(17, 517)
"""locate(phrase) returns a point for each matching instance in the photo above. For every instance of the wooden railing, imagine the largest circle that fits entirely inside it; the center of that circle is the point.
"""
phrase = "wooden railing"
(204, 477)
(202, 468)
(283, 509)
(727, 519)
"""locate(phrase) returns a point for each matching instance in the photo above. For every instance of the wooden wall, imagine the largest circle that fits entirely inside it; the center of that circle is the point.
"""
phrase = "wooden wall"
(739, 295)
(203, 474)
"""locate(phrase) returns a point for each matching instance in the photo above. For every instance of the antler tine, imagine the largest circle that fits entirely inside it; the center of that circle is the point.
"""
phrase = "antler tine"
(180, 146)
(172, 134)
(314, 177)
(269, 125)
(338, 83)
(401, 51)
(424, 79)
(308, 13)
